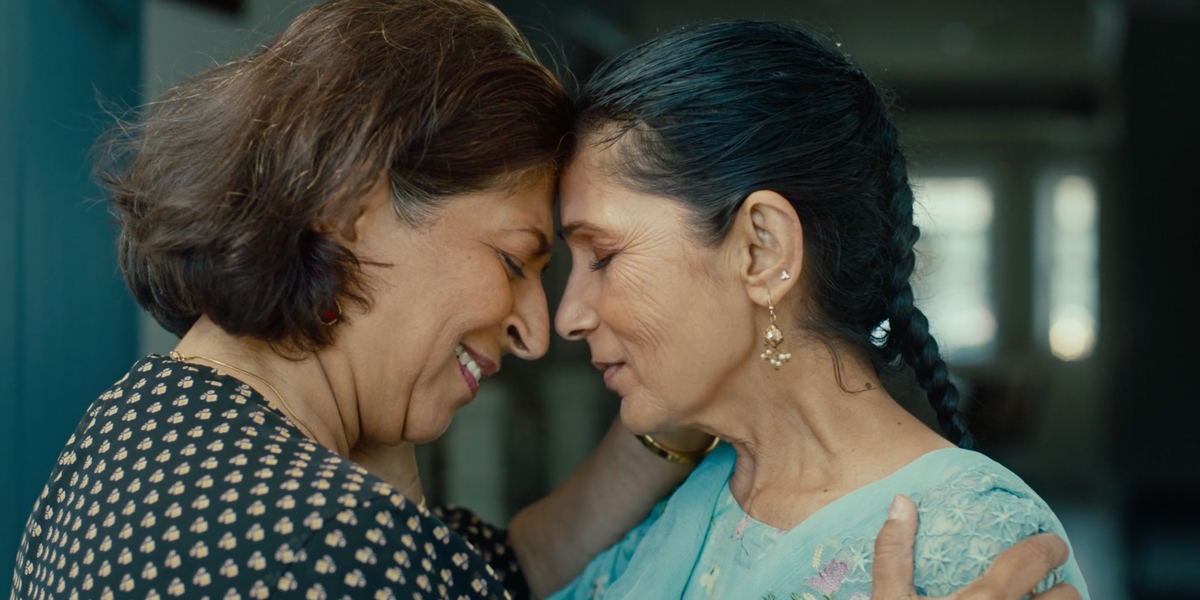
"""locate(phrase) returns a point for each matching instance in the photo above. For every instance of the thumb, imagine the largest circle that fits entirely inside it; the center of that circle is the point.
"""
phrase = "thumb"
(892, 570)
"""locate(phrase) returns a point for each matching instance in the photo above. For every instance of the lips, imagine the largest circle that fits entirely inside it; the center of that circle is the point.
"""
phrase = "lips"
(610, 370)
(469, 377)
(473, 366)
(486, 365)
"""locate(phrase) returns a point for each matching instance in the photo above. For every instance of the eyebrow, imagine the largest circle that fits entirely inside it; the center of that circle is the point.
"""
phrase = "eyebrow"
(544, 246)
(570, 228)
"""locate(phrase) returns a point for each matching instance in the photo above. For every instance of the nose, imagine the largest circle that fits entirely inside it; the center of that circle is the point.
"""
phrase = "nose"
(527, 328)
(576, 317)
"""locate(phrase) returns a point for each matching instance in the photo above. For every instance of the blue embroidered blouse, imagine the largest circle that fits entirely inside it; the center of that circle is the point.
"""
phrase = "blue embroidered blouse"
(699, 544)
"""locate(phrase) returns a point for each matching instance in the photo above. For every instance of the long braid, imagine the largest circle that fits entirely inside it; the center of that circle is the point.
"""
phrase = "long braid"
(908, 334)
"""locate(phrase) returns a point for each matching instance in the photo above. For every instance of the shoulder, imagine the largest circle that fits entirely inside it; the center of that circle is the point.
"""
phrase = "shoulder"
(975, 493)
(974, 512)
(366, 539)
(381, 546)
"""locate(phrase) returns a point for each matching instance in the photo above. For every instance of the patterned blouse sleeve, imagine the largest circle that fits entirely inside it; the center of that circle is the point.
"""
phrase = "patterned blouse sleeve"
(965, 527)
(490, 543)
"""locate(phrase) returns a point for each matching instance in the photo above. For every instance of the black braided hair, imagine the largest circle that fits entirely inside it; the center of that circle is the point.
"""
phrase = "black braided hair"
(712, 113)
(908, 329)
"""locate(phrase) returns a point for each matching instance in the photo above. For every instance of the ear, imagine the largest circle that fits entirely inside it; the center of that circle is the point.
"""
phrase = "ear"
(770, 242)
(346, 223)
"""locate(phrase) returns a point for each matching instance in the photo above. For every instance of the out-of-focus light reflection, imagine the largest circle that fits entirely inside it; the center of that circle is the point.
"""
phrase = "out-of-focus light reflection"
(1072, 333)
(954, 261)
(1074, 253)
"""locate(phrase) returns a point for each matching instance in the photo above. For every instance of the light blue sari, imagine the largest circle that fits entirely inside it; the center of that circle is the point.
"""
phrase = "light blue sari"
(699, 544)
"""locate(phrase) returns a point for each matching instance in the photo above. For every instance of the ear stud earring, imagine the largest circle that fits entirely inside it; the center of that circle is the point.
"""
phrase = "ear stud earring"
(786, 276)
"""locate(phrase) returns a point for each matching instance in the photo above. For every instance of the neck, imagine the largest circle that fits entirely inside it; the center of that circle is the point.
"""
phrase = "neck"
(804, 439)
(315, 388)
(396, 465)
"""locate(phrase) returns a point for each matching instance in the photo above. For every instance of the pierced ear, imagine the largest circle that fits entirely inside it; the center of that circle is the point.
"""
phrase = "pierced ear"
(771, 240)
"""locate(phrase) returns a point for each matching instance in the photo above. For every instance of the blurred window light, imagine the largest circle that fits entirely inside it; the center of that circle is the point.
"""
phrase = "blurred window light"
(1069, 260)
(953, 283)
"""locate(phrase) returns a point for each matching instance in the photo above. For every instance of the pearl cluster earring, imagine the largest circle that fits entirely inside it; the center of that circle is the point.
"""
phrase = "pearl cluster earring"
(774, 337)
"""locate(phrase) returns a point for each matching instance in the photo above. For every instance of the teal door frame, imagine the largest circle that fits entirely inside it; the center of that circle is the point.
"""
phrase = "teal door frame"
(68, 328)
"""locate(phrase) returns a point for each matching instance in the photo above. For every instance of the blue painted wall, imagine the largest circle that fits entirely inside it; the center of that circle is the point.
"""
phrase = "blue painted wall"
(67, 325)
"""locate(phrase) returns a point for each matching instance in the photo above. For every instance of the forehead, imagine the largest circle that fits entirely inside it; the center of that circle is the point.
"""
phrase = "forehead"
(592, 194)
(527, 204)
(588, 186)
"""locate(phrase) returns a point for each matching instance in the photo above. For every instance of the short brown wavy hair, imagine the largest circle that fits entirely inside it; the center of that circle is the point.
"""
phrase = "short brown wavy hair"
(223, 188)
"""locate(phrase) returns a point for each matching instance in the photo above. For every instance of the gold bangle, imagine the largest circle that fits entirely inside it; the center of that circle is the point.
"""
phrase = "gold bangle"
(675, 456)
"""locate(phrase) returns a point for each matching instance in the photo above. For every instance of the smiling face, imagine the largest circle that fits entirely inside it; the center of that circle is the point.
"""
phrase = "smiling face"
(449, 296)
(666, 317)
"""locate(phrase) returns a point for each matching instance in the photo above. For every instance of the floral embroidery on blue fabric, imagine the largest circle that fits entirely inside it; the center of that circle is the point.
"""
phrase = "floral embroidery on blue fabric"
(958, 537)
(703, 546)
(830, 578)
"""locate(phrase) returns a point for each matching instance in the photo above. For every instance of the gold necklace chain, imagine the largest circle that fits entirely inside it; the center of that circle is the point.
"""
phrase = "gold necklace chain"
(292, 414)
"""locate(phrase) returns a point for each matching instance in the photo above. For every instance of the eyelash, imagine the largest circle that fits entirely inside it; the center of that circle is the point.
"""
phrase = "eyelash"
(517, 270)
(600, 263)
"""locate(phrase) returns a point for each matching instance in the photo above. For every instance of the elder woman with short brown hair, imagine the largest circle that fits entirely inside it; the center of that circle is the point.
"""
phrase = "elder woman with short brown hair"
(346, 229)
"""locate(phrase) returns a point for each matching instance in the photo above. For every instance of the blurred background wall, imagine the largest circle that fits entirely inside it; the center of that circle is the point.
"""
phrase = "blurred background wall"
(61, 299)
(1054, 144)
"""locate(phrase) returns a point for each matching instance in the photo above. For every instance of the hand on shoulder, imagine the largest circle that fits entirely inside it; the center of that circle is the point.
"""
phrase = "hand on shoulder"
(1013, 575)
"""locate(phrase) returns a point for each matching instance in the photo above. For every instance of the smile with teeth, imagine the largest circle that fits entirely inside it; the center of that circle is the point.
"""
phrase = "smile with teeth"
(464, 359)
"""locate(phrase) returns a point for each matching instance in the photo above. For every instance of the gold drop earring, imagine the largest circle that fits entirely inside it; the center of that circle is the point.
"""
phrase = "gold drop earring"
(772, 339)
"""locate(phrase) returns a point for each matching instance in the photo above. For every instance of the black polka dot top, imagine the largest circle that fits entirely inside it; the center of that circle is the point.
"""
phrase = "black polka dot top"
(181, 482)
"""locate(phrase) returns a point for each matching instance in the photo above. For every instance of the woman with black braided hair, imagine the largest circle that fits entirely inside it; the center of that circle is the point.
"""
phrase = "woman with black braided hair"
(741, 229)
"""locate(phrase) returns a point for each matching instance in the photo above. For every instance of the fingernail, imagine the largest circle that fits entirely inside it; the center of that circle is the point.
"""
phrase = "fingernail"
(897, 509)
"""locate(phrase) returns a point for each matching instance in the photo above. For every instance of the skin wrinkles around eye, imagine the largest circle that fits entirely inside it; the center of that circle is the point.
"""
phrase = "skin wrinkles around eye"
(586, 236)
(600, 263)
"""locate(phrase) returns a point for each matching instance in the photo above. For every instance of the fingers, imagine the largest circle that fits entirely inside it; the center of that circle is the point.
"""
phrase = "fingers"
(892, 572)
(1062, 591)
(1020, 569)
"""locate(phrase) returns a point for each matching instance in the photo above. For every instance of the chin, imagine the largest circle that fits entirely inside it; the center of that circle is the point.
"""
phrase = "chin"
(423, 431)
(429, 414)
(641, 418)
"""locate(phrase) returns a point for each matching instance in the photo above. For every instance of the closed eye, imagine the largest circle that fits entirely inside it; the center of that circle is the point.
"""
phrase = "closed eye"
(517, 270)
(600, 263)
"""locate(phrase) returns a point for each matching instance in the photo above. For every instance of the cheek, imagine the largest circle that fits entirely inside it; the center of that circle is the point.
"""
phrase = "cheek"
(638, 310)
(459, 293)
(483, 299)
(404, 346)
(683, 333)
(651, 312)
